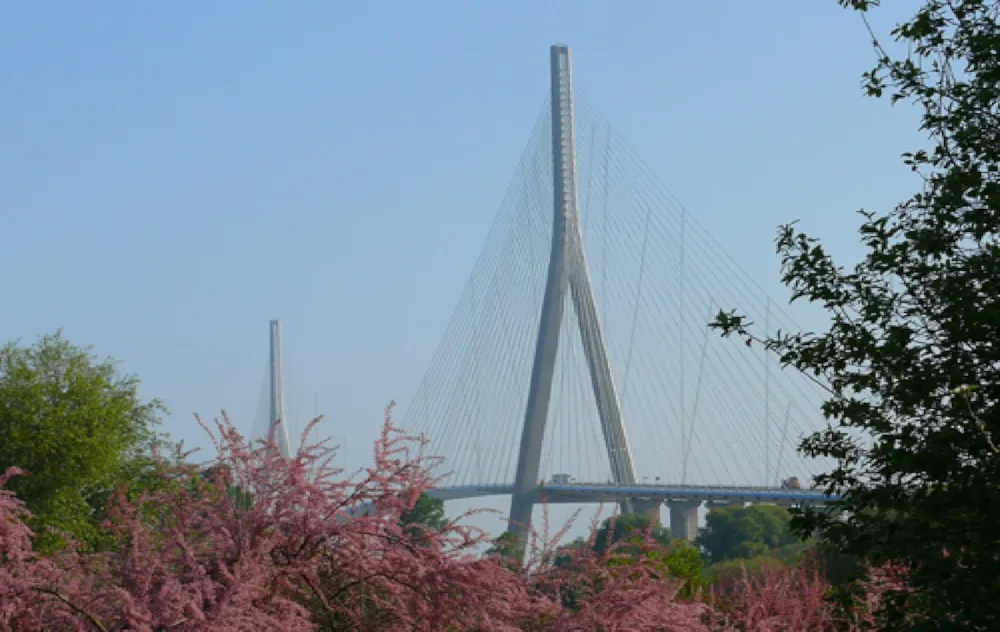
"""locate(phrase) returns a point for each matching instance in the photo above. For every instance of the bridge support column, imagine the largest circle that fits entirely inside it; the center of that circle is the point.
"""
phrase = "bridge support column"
(684, 518)
(648, 506)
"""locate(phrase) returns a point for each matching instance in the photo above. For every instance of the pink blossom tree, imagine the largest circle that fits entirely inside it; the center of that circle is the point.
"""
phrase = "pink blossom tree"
(256, 541)
(799, 599)
(262, 543)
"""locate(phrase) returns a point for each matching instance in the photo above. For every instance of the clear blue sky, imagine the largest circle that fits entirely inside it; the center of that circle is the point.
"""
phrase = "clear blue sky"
(172, 175)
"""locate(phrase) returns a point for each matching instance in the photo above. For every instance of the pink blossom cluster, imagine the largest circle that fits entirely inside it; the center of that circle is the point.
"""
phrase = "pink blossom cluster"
(798, 599)
(258, 542)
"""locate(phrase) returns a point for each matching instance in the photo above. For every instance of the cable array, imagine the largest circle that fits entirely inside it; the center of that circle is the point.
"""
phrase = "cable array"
(698, 409)
(472, 399)
(262, 416)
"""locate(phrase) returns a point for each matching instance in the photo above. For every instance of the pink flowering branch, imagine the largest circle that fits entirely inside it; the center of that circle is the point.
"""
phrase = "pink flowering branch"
(256, 541)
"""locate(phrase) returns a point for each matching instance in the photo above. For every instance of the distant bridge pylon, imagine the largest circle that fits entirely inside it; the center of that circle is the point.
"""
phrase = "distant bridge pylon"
(280, 411)
(277, 422)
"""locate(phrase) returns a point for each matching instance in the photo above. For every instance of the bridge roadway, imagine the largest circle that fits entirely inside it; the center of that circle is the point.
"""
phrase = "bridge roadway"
(683, 501)
(602, 492)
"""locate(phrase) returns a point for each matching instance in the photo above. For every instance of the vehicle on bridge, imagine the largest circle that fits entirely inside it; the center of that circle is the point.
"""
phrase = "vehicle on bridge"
(791, 483)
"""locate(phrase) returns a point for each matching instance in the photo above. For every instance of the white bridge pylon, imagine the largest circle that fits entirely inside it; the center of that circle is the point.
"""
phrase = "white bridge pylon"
(567, 270)
(584, 313)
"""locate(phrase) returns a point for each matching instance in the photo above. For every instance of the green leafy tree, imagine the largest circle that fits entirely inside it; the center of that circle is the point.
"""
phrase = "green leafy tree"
(686, 563)
(427, 512)
(627, 525)
(509, 547)
(563, 555)
(736, 531)
(911, 358)
(678, 559)
(839, 568)
(78, 427)
(723, 575)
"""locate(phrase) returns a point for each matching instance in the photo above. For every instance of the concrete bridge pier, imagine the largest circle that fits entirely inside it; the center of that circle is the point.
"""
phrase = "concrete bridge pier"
(684, 518)
(647, 506)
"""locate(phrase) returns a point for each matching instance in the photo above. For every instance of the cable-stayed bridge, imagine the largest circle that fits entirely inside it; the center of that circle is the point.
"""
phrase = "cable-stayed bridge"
(682, 499)
(579, 364)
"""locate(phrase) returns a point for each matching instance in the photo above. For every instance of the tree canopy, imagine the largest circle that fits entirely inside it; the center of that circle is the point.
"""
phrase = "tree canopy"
(297, 558)
(910, 359)
(736, 531)
(77, 427)
(427, 513)
(627, 525)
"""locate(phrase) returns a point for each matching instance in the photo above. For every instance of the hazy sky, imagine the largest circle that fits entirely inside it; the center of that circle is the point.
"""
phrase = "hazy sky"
(173, 175)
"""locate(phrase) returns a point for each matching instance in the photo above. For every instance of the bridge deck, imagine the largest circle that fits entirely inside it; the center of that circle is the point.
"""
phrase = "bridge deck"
(597, 492)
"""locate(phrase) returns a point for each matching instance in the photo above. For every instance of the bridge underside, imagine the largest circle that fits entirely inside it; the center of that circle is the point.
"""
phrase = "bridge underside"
(583, 493)
(683, 502)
